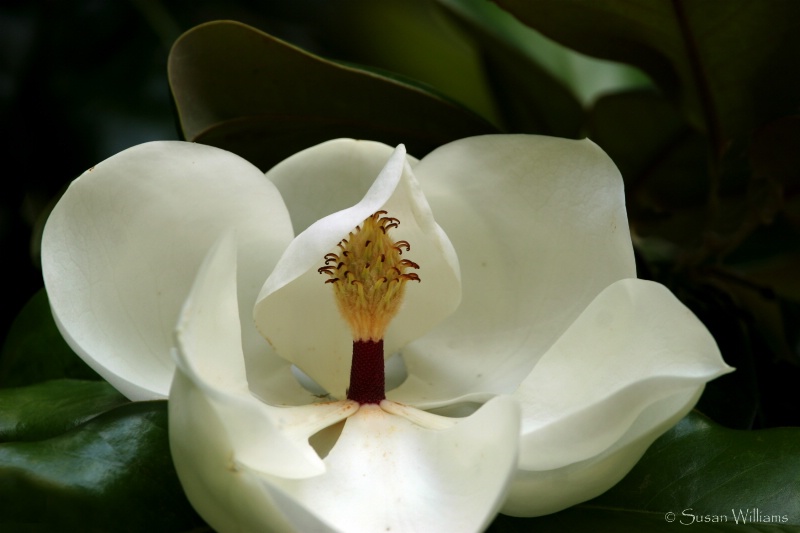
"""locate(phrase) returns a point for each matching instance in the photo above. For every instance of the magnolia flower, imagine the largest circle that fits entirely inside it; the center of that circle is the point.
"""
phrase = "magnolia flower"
(526, 369)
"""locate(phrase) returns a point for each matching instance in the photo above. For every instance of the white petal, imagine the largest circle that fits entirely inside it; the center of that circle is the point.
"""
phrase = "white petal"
(387, 473)
(540, 228)
(222, 438)
(634, 344)
(221, 465)
(211, 363)
(540, 492)
(629, 367)
(329, 177)
(296, 311)
(123, 244)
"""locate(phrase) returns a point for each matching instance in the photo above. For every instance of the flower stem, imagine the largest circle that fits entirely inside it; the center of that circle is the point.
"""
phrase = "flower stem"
(367, 378)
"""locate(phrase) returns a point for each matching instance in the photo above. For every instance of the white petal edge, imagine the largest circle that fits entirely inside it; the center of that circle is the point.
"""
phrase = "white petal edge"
(633, 346)
(297, 312)
(387, 473)
(541, 492)
(122, 246)
(328, 177)
(540, 227)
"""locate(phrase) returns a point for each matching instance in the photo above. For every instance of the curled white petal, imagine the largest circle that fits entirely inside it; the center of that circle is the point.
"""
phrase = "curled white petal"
(222, 438)
(630, 365)
(122, 246)
(211, 363)
(541, 492)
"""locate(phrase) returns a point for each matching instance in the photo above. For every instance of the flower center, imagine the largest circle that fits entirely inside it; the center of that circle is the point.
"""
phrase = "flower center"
(368, 276)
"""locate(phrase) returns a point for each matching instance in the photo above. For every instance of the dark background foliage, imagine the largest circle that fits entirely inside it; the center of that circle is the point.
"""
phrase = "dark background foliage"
(80, 81)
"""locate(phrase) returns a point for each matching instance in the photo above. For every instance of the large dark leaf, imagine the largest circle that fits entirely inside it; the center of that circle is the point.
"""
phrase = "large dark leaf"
(529, 98)
(112, 473)
(697, 474)
(409, 37)
(50, 408)
(243, 90)
(730, 64)
(35, 351)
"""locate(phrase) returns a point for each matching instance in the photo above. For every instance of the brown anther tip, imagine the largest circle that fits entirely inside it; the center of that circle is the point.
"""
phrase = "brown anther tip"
(377, 214)
(340, 265)
(334, 280)
(389, 226)
(409, 263)
(367, 243)
(403, 244)
(411, 276)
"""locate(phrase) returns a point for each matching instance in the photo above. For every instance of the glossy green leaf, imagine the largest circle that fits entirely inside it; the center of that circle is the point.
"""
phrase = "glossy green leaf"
(409, 37)
(35, 351)
(698, 474)
(112, 473)
(727, 63)
(245, 91)
(50, 408)
(530, 98)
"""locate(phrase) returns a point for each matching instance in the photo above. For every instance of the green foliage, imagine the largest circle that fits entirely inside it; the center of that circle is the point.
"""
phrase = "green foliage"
(50, 408)
(111, 473)
(267, 105)
(35, 351)
(717, 59)
(75, 455)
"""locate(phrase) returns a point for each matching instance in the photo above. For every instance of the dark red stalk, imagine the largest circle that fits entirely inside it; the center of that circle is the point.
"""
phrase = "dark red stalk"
(367, 378)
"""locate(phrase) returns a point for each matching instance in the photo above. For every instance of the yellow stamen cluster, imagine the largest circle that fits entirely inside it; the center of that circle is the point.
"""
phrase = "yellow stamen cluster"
(369, 275)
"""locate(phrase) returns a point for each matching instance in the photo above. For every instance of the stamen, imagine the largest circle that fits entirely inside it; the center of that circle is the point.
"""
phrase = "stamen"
(373, 278)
